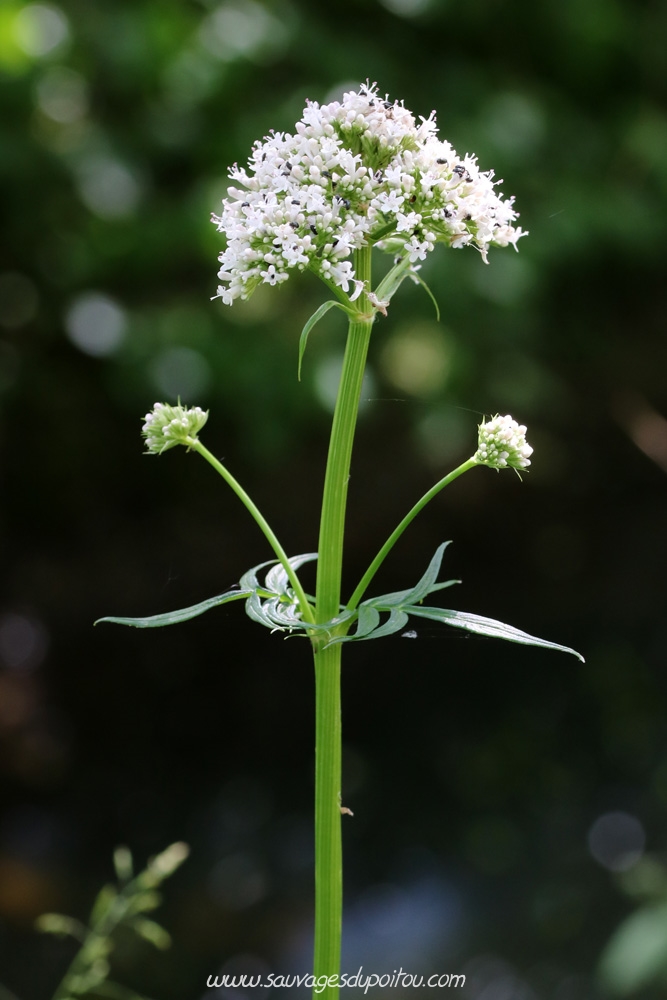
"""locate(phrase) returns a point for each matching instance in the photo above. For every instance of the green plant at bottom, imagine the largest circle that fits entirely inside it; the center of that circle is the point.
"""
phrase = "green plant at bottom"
(124, 905)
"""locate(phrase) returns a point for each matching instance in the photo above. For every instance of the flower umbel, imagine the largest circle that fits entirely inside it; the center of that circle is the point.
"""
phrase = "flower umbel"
(355, 173)
(166, 426)
(502, 444)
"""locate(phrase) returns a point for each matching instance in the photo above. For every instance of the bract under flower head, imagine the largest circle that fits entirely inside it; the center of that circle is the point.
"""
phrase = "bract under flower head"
(166, 426)
(355, 172)
(502, 444)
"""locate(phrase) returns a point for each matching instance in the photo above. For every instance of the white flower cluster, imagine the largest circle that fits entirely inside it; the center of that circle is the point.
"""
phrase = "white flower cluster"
(356, 172)
(502, 444)
(166, 426)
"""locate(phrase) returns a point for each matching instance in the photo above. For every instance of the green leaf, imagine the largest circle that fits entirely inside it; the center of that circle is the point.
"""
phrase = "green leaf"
(367, 622)
(636, 954)
(368, 619)
(106, 897)
(249, 579)
(122, 862)
(486, 626)
(254, 609)
(89, 979)
(182, 615)
(96, 947)
(276, 579)
(164, 864)
(397, 620)
(393, 280)
(148, 900)
(152, 932)
(282, 613)
(403, 603)
(56, 923)
(315, 318)
(426, 585)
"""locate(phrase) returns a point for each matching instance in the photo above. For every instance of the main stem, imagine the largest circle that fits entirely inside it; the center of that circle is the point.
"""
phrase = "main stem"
(328, 847)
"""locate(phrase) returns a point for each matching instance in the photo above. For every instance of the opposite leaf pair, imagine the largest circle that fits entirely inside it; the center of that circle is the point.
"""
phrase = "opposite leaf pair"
(275, 606)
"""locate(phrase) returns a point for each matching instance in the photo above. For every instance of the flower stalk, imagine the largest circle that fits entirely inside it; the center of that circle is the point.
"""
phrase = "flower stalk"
(304, 604)
(400, 528)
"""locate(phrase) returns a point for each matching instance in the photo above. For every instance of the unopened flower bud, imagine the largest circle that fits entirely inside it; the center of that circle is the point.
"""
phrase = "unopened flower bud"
(166, 426)
(502, 444)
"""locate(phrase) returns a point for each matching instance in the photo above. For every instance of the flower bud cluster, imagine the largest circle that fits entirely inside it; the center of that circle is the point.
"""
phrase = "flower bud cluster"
(166, 426)
(354, 172)
(502, 444)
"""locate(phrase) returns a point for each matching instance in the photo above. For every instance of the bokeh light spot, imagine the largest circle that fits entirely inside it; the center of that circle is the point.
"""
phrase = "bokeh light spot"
(444, 434)
(242, 28)
(406, 8)
(417, 359)
(514, 123)
(108, 187)
(40, 29)
(23, 641)
(62, 95)
(96, 324)
(616, 840)
(180, 371)
(237, 882)
(507, 279)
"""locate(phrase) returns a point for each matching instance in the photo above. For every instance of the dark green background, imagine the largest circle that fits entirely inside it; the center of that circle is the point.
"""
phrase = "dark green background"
(475, 769)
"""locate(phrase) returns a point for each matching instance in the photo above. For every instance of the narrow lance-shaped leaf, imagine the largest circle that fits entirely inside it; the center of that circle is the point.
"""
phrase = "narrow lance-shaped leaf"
(315, 318)
(249, 579)
(282, 614)
(368, 619)
(182, 615)
(254, 608)
(397, 620)
(486, 626)
(422, 589)
(151, 931)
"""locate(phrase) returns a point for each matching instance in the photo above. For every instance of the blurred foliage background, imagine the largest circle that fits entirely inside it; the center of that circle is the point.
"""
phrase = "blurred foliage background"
(499, 792)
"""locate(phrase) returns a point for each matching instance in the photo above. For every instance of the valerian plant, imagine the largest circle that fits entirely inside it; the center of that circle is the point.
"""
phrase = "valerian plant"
(355, 176)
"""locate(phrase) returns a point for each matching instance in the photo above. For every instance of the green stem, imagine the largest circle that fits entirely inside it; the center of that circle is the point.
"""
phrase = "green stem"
(306, 609)
(396, 534)
(103, 930)
(328, 839)
(328, 850)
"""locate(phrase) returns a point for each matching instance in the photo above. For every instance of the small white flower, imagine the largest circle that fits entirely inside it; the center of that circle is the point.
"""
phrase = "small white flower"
(166, 426)
(354, 172)
(502, 444)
